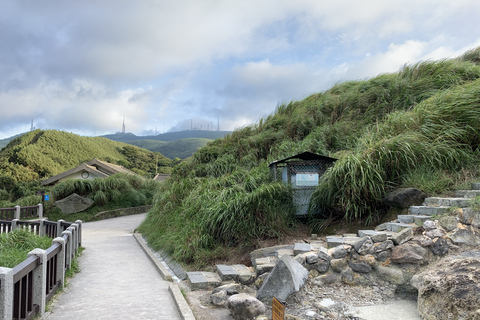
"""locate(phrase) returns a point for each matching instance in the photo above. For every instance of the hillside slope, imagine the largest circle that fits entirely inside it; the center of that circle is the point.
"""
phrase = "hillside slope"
(415, 128)
(181, 149)
(44, 153)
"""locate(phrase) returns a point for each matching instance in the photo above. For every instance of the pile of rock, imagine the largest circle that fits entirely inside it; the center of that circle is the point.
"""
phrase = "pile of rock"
(393, 253)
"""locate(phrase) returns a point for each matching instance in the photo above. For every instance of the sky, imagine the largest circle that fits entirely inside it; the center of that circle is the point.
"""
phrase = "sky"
(87, 66)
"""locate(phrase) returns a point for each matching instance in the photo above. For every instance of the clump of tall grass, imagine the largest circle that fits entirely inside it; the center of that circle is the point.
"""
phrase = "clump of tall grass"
(14, 246)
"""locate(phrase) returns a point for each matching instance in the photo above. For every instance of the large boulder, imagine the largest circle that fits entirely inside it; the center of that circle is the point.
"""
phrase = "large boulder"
(450, 289)
(404, 198)
(74, 203)
(286, 278)
(245, 307)
(409, 253)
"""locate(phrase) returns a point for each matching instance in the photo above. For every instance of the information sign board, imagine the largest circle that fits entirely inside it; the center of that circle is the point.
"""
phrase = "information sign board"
(307, 179)
(278, 310)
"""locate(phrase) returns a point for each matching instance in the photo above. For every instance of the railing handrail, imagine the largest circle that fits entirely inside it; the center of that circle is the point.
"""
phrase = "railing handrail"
(26, 288)
(18, 212)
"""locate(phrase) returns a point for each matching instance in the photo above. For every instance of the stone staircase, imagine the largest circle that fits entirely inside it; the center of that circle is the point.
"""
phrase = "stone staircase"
(398, 231)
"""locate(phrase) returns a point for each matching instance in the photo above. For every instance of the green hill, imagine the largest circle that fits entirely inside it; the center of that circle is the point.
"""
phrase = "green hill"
(4, 142)
(181, 149)
(41, 154)
(415, 128)
(169, 136)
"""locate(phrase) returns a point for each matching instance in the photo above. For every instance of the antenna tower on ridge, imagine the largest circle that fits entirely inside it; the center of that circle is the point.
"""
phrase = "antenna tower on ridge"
(123, 125)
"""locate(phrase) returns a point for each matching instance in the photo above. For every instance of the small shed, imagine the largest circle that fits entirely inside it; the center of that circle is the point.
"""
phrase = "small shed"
(302, 171)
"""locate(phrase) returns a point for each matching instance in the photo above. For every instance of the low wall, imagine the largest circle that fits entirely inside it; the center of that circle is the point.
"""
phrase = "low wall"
(122, 212)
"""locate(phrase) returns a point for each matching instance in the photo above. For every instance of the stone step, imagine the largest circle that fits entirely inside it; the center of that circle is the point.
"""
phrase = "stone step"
(467, 193)
(397, 227)
(334, 241)
(447, 202)
(416, 219)
(201, 280)
(475, 186)
(238, 273)
(427, 210)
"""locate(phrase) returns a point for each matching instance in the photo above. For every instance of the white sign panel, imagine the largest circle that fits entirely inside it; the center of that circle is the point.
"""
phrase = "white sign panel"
(307, 179)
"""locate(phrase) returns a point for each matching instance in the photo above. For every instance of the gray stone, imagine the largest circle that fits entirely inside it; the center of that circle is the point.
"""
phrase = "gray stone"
(301, 248)
(382, 246)
(360, 267)
(226, 272)
(265, 264)
(391, 274)
(402, 236)
(243, 306)
(323, 254)
(427, 210)
(447, 202)
(219, 298)
(384, 255)
(287, 277)
(409, 253)
(422, 240)
(429, 225)
(327, 278)
(347, 275)
(397, 227)
(363, 245)
(74, 203)
(339, 252)
(311, 258)
(469, 216)
(448, 223)
(229, 288)
(338, 265)
(450, 289)
(464, 234)
(245, 274)
(435, 233)
(404, 198)
(440, 246)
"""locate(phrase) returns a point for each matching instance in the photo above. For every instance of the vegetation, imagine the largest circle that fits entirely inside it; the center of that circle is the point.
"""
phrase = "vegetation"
(41, 154)
(15, 245)
(415, 128)
(180, 149)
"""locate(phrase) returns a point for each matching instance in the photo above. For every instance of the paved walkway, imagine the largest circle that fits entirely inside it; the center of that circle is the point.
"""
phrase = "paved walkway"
(117, 280)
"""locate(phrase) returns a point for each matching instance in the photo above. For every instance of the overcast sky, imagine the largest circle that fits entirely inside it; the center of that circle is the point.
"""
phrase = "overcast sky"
(81, 66)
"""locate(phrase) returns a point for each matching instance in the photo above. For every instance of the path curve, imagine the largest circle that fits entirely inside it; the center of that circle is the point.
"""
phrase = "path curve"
(117, 279)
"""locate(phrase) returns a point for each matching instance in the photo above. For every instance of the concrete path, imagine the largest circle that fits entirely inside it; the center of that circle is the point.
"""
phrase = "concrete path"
(117, 279)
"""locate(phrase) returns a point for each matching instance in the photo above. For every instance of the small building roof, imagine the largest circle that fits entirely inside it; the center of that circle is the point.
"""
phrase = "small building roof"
(161, 177)
(100, 169)
(306, 156)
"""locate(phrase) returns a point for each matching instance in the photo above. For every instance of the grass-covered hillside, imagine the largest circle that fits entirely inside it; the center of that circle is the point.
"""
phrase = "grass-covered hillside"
(181, 149)
(40, 154)
(419, 128)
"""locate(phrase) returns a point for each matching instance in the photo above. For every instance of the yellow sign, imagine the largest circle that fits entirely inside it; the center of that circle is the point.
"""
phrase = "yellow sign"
(278, 310)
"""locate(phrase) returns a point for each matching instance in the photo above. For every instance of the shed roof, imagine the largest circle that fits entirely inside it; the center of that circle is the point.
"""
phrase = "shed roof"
(304, 156)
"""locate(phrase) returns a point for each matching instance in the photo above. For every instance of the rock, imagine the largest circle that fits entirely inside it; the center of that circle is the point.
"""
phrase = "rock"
(382, 246)
(219, 298)
(422, 240)
(450, 289)
(287, 277)
(74, 203)
(409, 253)
(360, 267)
(338, 252)
(469, 216)
(299, 248)
(391, 274)
(402, 236)
(243, 306)
(363, 245)
(338, 264)
(464, 234)
(429, 225)
(326, 279)
(404, 198)
(435, 233)
(384, 255)
(347, 275)
(311, 258)
(448, 223)
(229, 288)
(440, 246)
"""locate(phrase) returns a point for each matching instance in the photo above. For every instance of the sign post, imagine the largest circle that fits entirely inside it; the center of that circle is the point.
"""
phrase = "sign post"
(278, 309)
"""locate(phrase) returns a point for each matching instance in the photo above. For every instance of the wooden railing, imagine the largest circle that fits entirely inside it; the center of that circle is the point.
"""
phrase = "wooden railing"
(18, 212)
(26, 289)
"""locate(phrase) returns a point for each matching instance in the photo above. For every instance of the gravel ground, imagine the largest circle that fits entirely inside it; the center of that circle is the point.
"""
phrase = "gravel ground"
(321, 302)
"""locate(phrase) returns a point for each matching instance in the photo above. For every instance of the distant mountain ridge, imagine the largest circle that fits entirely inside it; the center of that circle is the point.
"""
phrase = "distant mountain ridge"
(168, 136)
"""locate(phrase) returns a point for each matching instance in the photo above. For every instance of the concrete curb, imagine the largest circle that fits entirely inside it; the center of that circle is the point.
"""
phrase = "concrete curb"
(180, 302)
(163, 271)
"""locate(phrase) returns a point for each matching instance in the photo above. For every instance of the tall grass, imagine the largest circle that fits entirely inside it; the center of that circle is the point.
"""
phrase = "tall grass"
(14, 246)
(388, 131)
